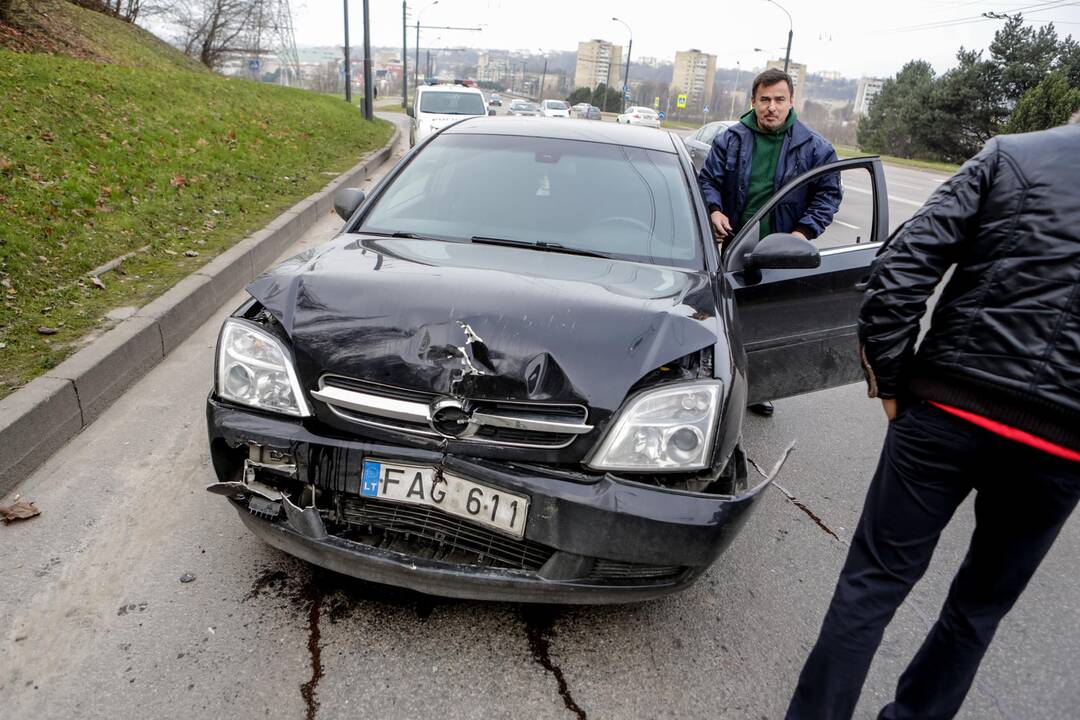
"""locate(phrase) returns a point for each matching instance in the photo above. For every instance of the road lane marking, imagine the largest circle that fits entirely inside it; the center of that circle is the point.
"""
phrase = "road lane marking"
(895, 198)
(847, 225)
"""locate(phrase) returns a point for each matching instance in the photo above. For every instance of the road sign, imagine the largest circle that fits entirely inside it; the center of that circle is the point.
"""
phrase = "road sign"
(706, 108)
(656, 102)
(661, 115)
(254, 64)
(626, 96)
(680, 102)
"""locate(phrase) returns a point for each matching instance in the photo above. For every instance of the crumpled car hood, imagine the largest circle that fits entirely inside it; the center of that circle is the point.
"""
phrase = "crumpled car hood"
(486, 321)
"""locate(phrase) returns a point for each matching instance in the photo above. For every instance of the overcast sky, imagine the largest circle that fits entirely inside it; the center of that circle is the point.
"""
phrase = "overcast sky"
(854, 37)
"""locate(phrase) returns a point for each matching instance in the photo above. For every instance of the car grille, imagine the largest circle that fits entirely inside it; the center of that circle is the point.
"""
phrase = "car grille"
(445, 537)
(615, 570)
(498, 422)
(432, 534)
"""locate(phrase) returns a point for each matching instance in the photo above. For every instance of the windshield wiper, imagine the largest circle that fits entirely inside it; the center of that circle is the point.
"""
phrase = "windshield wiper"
(539, 245)
(395, 234)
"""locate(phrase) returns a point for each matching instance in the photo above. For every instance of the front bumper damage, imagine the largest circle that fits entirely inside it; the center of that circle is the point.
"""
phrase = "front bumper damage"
(588, 539)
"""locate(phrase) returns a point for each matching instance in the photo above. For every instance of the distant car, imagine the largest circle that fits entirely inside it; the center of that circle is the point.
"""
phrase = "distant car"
(555, 108)
(699, 144)
(523, 108)
(495, 101)
(643, 116)
(439, 105)
(580, 108)
(590, 112)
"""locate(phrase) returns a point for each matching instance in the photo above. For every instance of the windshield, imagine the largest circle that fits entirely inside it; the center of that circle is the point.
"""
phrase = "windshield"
(619, 201)
(555, 105)
(452, 103)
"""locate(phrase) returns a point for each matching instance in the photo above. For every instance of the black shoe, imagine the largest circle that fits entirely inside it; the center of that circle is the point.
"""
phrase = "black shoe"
(764, 409)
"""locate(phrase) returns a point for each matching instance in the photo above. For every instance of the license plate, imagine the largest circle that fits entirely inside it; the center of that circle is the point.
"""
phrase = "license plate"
(422, 485)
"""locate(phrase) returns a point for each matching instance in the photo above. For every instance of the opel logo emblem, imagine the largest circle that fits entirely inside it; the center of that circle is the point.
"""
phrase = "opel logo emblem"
(451, 419)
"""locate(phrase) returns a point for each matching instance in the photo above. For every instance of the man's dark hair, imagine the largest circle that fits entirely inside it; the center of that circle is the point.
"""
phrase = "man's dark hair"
(771, 77)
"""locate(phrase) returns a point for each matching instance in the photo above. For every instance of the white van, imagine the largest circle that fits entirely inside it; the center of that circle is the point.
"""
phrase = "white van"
(437, 106)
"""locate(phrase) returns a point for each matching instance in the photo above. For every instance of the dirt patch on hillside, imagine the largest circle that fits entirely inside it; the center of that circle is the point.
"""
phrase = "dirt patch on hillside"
(43, 26)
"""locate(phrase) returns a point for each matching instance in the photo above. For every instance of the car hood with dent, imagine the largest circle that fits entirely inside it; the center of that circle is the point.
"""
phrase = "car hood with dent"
(486, 321)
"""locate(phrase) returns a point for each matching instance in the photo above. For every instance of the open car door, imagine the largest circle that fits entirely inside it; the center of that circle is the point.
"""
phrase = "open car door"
(799, 323)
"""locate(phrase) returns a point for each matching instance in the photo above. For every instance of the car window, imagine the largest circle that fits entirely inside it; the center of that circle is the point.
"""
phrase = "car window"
(626, 202)
(708, 132)
(555, 105)
(452, 103)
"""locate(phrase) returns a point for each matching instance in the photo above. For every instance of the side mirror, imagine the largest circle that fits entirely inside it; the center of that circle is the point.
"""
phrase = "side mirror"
(783, 251)
(346, 200)
(492, 112)
(410, 112)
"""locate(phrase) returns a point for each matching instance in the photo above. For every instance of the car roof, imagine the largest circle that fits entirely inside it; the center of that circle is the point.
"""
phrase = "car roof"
(563, 129)
(448, 88)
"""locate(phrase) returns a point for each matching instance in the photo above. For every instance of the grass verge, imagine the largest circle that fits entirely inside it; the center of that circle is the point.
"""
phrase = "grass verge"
(100, 160)
(847, 151)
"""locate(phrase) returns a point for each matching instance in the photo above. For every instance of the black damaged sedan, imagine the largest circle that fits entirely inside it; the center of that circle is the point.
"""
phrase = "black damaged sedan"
(519, 372)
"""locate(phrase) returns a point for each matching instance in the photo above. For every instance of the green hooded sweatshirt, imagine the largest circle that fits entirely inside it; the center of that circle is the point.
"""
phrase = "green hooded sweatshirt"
(763, 161)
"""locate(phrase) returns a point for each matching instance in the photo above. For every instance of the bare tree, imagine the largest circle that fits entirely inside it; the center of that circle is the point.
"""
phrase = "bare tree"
(214, 31)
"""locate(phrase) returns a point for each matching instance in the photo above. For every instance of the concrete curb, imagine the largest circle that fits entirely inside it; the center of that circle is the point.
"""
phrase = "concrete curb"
(37, 419)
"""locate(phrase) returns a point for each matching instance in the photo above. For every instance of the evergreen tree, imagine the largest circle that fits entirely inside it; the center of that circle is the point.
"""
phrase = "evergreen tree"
(897, 116)
(1047, 105)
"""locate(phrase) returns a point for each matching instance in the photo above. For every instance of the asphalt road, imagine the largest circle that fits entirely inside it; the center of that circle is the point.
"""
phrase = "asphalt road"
(97, 624)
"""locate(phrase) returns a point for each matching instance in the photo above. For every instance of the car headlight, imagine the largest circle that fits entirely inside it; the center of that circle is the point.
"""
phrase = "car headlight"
(667, 428)
(253, 368)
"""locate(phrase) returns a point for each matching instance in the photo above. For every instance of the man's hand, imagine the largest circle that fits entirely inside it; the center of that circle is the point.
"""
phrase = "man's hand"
(889, 405)
(798, 234)
(720, 224)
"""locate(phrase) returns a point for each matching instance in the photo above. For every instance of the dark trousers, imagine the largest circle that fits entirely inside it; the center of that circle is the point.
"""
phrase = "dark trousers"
(930, 462)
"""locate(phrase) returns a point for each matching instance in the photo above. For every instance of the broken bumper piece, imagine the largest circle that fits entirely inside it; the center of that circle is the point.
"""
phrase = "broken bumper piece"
(599, 540)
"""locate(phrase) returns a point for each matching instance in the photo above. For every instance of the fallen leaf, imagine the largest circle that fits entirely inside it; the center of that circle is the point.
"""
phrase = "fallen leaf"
(178, 181)
(232, 135)
(18, 510)
(6, 164)
(170, 252)
(45, 330)
(97, 282)
(201, 142)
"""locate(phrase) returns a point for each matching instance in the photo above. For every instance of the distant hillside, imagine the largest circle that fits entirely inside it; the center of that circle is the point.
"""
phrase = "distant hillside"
(112, 142)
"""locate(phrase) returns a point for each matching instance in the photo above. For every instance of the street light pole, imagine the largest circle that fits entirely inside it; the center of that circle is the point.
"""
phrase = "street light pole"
(369, 88)
(791, 26)
(348, 60)
(416, 64)
(543, 77)
(734, 89)
(626, 75)
(404, 55)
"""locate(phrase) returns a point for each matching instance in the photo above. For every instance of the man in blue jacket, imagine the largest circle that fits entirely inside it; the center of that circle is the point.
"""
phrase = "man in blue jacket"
(753, 159)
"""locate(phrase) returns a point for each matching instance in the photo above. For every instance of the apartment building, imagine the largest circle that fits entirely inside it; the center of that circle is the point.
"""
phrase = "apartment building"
(693, 75)
(868, 90)
(598, 61)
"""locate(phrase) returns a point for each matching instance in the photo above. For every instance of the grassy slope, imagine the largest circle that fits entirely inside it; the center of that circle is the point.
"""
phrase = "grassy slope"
(100, 159)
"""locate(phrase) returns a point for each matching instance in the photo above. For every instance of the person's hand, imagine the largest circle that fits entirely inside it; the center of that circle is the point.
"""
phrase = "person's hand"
(889, 406)
(720, 224)
(800, 235)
